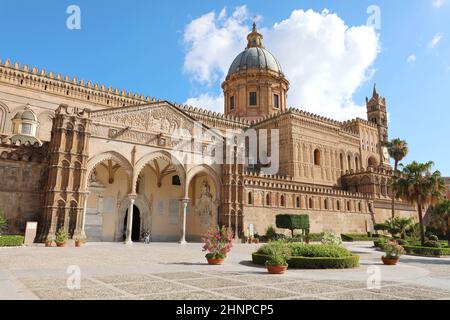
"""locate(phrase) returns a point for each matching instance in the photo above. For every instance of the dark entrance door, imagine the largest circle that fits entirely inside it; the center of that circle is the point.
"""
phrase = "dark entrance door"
(136, 234)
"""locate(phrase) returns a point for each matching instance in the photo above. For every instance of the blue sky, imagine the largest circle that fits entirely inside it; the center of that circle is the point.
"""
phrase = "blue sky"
(141, 46)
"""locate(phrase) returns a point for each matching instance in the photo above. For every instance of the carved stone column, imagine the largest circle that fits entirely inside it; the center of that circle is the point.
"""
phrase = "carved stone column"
(184, 204)
(129, 239)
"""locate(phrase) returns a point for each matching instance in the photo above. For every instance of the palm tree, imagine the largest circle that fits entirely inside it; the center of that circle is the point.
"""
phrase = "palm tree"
(442, 214)
(398, 149)
(419, 186)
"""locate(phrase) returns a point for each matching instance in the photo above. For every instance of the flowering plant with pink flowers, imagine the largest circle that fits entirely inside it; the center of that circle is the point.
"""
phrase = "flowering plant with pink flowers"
(218, 243)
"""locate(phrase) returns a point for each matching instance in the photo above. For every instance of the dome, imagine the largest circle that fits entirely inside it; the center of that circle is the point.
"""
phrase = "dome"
(255, 57)
(25, 114)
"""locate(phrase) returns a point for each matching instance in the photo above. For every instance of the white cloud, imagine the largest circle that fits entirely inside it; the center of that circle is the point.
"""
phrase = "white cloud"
(435, 41)
(207, 101)
(411, 59)
(325, 60)
(438, 3)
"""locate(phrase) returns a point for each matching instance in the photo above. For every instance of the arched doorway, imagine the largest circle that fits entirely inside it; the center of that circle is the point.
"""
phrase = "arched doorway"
(136, 233)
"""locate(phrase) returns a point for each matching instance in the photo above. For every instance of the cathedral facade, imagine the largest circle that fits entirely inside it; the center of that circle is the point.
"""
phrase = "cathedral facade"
(100, 162)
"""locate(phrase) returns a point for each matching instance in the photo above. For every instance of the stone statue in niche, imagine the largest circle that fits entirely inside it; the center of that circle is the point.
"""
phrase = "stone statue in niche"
(204, 207)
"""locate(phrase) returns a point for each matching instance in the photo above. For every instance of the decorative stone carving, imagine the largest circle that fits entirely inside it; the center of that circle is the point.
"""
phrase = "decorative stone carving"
(204, 206)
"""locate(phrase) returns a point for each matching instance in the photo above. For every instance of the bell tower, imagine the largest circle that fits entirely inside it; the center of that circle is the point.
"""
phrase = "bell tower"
(376, 113)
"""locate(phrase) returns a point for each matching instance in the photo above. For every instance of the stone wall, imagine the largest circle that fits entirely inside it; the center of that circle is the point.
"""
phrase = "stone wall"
(336, 222)
(23, 175)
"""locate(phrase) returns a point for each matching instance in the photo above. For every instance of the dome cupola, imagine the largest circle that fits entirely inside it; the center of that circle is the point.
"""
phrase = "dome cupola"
(255, 85)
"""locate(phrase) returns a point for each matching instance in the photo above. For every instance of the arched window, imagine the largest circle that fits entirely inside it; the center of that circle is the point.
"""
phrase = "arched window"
(325, 204)
(341, 161)
(311, 203)
(349, 206)
(282, 202)
(297, 201)
(359, 207)
(317, 157)
(267, 199)
(338, 205)
(250, 198)
(357, 163)
(372, 162)
(349, 158)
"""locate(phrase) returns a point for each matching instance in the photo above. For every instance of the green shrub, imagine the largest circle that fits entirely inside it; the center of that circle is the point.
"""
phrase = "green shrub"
(351, 237)
(331, 239)
(402, 242)
(432, 244)
(433, 238)
(271, 233)
(292, 222)
(315, 237)
(314, 262)
(424, 251)
(11, 241)
(61, 236)
(380, 227)
(3, 223)
(380, 243)
(277, 254)
(304, 250)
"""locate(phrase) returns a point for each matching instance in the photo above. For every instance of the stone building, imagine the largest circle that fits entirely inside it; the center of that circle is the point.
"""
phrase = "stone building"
(100, 162)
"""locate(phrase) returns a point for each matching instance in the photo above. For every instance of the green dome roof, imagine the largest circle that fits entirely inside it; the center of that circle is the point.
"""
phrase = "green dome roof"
(25, 115)
(255, 57)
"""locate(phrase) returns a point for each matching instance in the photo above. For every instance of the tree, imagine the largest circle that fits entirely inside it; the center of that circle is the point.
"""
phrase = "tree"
(293, 222)
(3, 223)
(441, 215)
(398, 149)
(419, 186)
(399, 226)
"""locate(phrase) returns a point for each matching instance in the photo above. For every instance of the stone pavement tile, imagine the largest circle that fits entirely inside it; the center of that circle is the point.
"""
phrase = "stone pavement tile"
(308, 288)
(410, 293)
(226, 273)
(187, 295)
(358, 295)
(87, 293)
(213, 283)
(180, 275)
(123, 278)
(49, 283)
(254, 293)
(153, 287)
(266, 279)
(445, 293)
(343, 284)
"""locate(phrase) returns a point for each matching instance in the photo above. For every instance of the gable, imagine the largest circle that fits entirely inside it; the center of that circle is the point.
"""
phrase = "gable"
(161, 118)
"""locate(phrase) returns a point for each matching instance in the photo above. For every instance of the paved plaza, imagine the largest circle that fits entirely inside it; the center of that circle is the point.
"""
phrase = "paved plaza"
(174, 272)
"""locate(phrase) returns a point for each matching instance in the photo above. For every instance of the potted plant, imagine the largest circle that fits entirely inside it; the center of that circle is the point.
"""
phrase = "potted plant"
(61, 237)
(78, 241)
(278, 255)
(49, 241)
(218, 243)
(393, 253)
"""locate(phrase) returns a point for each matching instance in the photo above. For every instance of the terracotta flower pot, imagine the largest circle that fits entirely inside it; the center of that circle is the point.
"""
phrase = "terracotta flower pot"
(48, 244)
(60, 245)
(390, 261)
(215, 262)
(78, 243)
(276, 269)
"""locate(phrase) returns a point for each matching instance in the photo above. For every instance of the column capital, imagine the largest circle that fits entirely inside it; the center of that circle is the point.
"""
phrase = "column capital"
(185, 200)
(132, 197)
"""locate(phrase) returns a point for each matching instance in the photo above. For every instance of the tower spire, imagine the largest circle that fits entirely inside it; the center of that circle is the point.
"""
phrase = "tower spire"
(375, 91)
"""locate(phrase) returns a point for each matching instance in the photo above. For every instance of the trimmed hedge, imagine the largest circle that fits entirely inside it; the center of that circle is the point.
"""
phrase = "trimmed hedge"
(356, 237)
(425, 251)
(11, 241)
(314, 262)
